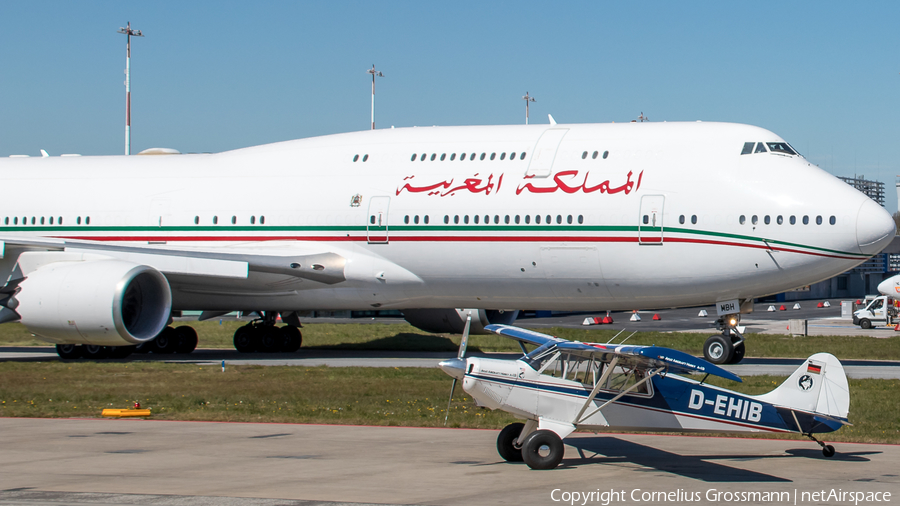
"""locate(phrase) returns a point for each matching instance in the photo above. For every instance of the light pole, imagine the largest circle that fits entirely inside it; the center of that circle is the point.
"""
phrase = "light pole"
(527, 98)
(375, 74)
(128, 32)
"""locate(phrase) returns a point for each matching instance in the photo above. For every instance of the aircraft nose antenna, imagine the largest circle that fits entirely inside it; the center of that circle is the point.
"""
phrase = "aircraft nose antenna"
(875, 228)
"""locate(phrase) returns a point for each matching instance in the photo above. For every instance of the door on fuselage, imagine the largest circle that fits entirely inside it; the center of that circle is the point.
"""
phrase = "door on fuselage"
(650, 221)
(377, 222)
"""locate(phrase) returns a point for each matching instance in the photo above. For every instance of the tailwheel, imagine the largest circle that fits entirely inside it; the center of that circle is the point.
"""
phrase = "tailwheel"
(718, 349)
(827, 450)
(291, 339)
(245, 339)
(543, 449)
(506, 442)
(68, 351)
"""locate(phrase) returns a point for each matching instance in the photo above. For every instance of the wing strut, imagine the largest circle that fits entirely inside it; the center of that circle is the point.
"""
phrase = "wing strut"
(579, 419)
(602, 381)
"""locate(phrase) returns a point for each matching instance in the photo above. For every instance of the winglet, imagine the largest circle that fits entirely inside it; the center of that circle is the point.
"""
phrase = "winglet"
(552, 121)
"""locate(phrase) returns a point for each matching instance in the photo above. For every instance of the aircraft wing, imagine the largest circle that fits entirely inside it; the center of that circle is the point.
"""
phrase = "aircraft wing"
(325, 267)
(640, 356)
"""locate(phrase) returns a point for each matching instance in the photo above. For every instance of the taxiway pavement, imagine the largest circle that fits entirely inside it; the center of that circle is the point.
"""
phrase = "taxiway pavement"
(83, 461)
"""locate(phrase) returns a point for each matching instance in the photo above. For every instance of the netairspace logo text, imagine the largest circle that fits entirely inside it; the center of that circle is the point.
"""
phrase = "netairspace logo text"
(712, 495)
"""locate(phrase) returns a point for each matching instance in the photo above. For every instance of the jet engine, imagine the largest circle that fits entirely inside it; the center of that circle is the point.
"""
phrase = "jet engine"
(99, 302)
(454, 320)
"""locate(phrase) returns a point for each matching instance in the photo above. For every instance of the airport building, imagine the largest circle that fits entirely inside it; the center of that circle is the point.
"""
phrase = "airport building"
(872, 189)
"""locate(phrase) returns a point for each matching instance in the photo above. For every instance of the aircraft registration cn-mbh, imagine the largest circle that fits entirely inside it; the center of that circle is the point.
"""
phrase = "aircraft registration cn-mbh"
(98, 252)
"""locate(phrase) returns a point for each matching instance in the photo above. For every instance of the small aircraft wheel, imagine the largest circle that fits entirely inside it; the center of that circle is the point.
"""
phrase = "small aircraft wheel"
(291, 339)
(121, 351)
(186, 339)
(245, 339)
(269, 340)
(865, 323)
(68, 351)
(166, 341)
(93, 352)
(542, 449)
(718, 349)
(738, 354)
(506, 442)
(828, 451)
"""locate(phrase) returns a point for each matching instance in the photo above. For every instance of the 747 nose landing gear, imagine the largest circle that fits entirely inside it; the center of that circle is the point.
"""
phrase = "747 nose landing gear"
(727, 347)
(263, 336)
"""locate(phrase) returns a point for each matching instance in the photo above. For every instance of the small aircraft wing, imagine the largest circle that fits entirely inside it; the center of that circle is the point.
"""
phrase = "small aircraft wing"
(640, 356)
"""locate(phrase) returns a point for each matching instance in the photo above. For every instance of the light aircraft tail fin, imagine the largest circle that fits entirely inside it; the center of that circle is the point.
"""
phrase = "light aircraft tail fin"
(818, 387)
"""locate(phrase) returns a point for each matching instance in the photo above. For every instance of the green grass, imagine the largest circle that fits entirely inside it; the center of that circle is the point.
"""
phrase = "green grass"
(379, 336)
(357, 395)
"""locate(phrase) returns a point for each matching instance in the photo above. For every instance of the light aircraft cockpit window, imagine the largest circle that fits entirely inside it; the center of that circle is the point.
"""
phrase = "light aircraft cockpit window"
(694, 219)
(793, 220)
(452, 156)
(806, 220)
(433, 156)
(831, 220)
(537, 219)
(605, 154)
(767, 220)
(760, 148)
(503, 155)
(584, 155)
(623, 378)
(443, 156)
(680, 219)
(482, 156)
(748, 148)
(594, 155)
(472, 157)
(781, 147)
(754, 220)
(413, 158)
(742, 219)
(493, 155)
(779, 219)
(540, 355)
(522, 156)
(355, 157)
(818, 220)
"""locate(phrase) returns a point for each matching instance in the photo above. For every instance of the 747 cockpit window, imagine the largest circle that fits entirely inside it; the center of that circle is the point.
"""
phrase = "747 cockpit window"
(781, 147)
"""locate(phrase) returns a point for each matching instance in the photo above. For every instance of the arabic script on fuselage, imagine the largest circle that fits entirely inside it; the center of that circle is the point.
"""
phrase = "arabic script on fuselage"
(472, 184)
(567, 181)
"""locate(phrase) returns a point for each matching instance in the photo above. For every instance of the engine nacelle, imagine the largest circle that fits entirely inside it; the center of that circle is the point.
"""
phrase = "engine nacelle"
(99, 302)
(453, 321)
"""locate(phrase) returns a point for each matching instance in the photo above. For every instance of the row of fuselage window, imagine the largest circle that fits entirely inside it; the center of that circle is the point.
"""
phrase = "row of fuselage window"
(780, 220)
(42, 220)
(463, 156)
(486, 220)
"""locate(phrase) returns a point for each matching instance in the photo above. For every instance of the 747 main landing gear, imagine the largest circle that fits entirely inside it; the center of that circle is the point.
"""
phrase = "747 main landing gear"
(727, 347)
(181, 339)
(262, 335)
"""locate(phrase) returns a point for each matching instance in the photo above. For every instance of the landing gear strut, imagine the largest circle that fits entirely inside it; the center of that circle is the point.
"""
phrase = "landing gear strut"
(827, 450)
(727, 347)
(263, 336)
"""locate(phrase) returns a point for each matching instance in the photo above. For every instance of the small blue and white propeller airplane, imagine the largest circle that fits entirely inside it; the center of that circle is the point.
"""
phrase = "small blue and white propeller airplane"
(561, 386)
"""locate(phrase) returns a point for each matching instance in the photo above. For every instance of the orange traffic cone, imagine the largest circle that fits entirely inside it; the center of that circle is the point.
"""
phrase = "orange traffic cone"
(782, 308)
(820, 304)
(656, 317)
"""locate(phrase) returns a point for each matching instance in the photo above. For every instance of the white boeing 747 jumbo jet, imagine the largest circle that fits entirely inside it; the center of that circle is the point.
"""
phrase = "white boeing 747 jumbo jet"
(98, 252)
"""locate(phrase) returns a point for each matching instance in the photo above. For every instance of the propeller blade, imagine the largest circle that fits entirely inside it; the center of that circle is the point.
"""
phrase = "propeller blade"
(452, 388)
(465, 337)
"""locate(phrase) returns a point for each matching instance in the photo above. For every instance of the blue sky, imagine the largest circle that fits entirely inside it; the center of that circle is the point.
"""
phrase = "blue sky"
(212, 76)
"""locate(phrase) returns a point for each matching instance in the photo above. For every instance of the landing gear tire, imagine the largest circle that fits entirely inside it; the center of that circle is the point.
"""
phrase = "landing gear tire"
(291, 339)
(268, 339)
(828, 451)
(68, 351)
(718, 349)
(93, 352)
(121, 351)
(865, 323)
(506, 442)
(166, 341)
(245, 339)
(542, 449)
(738, 354)
(186, 339)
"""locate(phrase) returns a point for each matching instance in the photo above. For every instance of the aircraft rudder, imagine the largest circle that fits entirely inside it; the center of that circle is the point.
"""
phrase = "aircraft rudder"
(818, 385)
